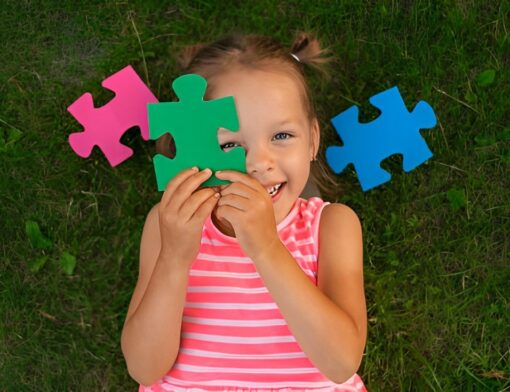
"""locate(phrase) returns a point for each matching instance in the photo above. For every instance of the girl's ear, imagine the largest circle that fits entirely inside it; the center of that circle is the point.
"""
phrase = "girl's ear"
(315, 138)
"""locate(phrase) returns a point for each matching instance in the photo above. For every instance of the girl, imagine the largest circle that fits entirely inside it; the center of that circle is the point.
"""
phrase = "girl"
(249, 286)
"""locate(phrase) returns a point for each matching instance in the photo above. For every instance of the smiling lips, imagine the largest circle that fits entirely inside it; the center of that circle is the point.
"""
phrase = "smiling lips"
(274, 189)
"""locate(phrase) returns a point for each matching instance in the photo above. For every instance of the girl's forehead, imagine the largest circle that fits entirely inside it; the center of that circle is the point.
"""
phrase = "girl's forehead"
(252, 81)
(272, 94)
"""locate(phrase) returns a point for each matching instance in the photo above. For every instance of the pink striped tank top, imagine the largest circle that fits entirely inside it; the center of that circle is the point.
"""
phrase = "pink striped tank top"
(233, 336)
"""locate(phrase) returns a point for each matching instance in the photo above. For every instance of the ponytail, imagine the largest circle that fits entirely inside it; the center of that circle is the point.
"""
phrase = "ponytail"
(188, 53)
(306, 47)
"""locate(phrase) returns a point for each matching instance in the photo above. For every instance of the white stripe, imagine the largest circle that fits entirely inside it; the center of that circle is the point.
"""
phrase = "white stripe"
(243, 340)
(227, 289)
(231, 306)
(247, 260)
(215, 354)
(252, 384)
(308, 213)
(292, 240)
(210, 369)
(226, 259)
(220, 274)
(235, 323)
(212, 241)
(306, 241)
(297, 253)
(237, 275)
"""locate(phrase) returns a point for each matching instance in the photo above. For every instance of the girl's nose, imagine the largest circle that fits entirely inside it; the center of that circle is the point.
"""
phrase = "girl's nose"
(259, 160)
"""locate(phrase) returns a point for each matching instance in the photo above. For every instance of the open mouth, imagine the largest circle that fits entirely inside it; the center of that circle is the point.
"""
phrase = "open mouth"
(273, 191)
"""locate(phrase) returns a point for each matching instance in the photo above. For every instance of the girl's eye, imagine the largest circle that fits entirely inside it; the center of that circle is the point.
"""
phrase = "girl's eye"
(282, 136)
(228, 146)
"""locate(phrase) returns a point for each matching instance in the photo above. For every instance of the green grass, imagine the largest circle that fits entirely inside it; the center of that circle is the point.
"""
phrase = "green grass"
(436, 239)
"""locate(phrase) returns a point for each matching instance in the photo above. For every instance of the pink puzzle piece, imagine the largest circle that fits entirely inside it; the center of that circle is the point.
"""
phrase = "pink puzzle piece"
(105, 126)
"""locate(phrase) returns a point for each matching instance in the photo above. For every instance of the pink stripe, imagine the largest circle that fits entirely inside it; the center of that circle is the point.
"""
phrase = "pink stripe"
(233, 314)
(227, 298)
(226, 249)
(278, 330)
(230, 266)
(226, 281)
(267, 378)
(273, 348)
(245, 363)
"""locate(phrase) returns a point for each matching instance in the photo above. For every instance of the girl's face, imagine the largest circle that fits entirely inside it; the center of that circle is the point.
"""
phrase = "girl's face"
(274, 129)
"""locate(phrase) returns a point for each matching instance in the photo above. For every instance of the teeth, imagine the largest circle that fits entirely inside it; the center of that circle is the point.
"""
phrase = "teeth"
(272, 191)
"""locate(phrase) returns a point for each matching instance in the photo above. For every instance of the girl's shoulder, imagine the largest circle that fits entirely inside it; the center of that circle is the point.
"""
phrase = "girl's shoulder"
(330, 224)
(340, 211)
(329, 215)
(339, 214)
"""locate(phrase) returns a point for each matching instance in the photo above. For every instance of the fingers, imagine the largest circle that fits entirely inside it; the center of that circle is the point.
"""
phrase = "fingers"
(241, 184)
(183, 185)
(175, 182)
(190, 207)
(239, 189)
(226, 213)
(242, 192)
(235, 201)
(185, 190)
(205, 209)
(235, 176)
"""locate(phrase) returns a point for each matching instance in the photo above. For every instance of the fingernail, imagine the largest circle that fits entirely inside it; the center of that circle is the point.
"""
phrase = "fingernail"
(194, 168)
(218, 172)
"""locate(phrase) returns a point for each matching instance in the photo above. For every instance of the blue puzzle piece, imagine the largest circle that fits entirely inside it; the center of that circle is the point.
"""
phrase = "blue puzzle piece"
(395, 131)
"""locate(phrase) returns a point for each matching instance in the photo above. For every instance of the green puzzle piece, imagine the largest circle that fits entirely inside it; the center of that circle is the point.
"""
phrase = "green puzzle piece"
(194, 123)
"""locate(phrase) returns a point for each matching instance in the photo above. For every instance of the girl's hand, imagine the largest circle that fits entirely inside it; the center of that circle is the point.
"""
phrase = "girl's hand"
(249, 209)
(182, 213)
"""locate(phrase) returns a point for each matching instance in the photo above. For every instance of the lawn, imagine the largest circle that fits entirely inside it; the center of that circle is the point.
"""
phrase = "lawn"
(436, 239)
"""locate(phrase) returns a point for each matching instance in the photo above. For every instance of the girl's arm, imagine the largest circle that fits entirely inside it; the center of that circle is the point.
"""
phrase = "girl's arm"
(329, 321)
(170, 243)
(151, 334)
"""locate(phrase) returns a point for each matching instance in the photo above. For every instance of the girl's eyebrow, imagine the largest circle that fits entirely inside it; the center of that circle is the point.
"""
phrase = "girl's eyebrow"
(275, 125)
(287, 121)
(282, 122)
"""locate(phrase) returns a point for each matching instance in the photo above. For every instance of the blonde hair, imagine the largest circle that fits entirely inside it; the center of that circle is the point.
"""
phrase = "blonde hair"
(263, 53)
